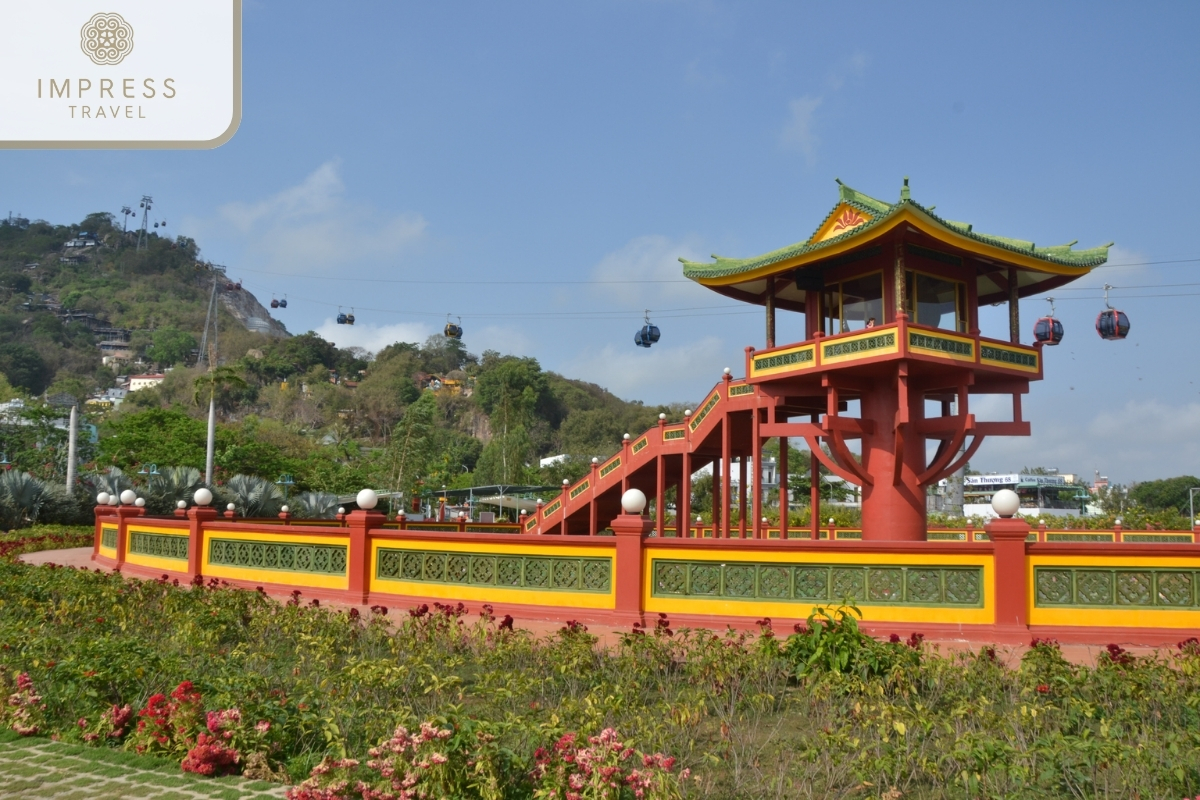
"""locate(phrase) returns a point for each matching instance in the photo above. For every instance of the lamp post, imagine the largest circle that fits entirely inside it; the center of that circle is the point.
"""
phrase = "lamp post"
(150, 471)
(285, 480)
(4, 462)
(1191, 502)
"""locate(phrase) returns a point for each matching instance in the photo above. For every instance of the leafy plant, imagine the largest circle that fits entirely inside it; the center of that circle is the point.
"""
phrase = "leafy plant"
(252, 496)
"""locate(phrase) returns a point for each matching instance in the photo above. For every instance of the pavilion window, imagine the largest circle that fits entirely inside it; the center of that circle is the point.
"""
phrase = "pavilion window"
(936, 302)
(851, 304)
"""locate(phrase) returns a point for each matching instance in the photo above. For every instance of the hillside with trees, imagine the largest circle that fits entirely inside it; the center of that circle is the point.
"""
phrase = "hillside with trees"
(413, 417)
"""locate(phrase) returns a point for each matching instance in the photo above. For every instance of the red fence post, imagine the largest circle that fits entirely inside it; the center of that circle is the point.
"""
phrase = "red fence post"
(103, 513)
(197, 516)
(1011, 596)
(358, 560)
(124, 514)
(630, 529)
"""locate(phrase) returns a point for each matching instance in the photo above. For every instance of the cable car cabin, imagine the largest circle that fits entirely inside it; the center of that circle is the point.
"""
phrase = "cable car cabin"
(453, 331)
(349, 319)
(341, 319)
(274, 303)
(283, 302)
(650, 333)
(1112, 324)
(639, 338)
(1048, 330)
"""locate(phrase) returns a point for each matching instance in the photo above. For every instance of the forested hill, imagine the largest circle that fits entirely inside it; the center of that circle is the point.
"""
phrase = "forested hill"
(412, 415)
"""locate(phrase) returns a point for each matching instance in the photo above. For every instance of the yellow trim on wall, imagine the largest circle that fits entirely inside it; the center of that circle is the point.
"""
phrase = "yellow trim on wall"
(891, 349)
(111, 552)
(312, 580)
(496, 594)
(154, 562)
(935, 353)
(811, 362)
(1025, 351)
(984, 615)
(1110, 616)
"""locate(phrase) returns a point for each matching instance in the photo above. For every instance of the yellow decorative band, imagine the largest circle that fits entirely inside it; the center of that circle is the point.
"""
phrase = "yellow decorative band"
(580, 489)
(640, 444)
(610, 466)
(550, 509)
(1009, 357)
(740, 389)
(699, 416)
(782, 361)
(670, 435)
(858, 347)
(944, 346)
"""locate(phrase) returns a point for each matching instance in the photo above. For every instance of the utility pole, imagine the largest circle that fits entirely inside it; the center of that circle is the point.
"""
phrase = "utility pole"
(72, 436)
(147, 200)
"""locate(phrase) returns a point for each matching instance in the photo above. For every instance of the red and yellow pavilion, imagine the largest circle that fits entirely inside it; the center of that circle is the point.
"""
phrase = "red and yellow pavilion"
(890, 294)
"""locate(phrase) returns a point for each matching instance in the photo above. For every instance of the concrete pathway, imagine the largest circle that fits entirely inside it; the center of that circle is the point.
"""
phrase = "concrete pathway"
(39, 769)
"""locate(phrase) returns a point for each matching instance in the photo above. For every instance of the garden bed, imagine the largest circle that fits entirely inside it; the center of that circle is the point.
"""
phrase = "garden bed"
(823, 713)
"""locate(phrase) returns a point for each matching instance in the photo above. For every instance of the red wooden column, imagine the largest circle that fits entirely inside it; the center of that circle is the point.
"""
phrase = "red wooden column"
(783, 486)
(358, 562)
(196, 517)
(1011, 596)
(630, 529)
(814, 492)
(756, 500)
(742, 496)
(683, 503)
(594, 482)
(726, 466)
(660, 481)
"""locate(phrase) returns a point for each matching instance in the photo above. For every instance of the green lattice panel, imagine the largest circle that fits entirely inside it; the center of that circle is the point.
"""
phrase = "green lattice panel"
(323, 559)
(479, 569)
(1120, 588)
(108, 538)
(159, 545)
(813, 583)
(885, 585)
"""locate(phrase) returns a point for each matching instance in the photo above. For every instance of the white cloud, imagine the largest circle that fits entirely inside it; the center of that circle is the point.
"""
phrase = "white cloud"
(798, 131)
(371, 336)
(1142, 440)
(310, 226)
(629, 372)
(650, 258)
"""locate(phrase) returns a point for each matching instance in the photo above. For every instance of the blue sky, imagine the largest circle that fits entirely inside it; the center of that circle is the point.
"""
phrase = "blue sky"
(513, 153)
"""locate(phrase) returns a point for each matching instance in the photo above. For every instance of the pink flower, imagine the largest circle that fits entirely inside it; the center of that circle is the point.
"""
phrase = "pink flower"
(263, 726)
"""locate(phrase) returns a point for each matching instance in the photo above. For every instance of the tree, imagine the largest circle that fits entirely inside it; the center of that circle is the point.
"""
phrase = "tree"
(504, 457)
(410, 450)
(252, 496)
(170, 346)
(158, 436)
(223, 384)
(1163, 494)
(24, 367)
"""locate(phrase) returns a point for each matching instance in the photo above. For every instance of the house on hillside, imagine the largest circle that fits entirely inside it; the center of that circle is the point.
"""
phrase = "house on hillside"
(148, 381)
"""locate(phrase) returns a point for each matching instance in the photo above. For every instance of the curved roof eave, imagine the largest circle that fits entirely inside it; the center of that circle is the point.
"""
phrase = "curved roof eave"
(1056, 260)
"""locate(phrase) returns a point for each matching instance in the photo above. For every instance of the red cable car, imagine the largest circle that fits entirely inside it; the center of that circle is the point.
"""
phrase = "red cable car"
(1048, 330)
(1111, 324)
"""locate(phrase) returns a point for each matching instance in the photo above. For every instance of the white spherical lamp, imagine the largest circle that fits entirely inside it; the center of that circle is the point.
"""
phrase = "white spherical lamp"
(102, 499)
(113, 500)
(341, 510)
(202, 496)
(728, 371)
(140, 502)
(230, 507)
(181, 504)
(662, 416)
(284, 509)
(1006, 503)
(128, 496)
(633, 501)
(367, 499)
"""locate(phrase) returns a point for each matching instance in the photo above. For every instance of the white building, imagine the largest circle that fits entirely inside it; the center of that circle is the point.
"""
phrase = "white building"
(144, 381)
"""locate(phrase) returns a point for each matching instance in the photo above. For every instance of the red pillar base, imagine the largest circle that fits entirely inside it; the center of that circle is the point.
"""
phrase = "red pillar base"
(1012, 590)
(630, 531)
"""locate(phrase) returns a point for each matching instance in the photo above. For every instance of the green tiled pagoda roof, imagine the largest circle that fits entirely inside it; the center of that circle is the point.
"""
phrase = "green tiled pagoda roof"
(880, 213)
